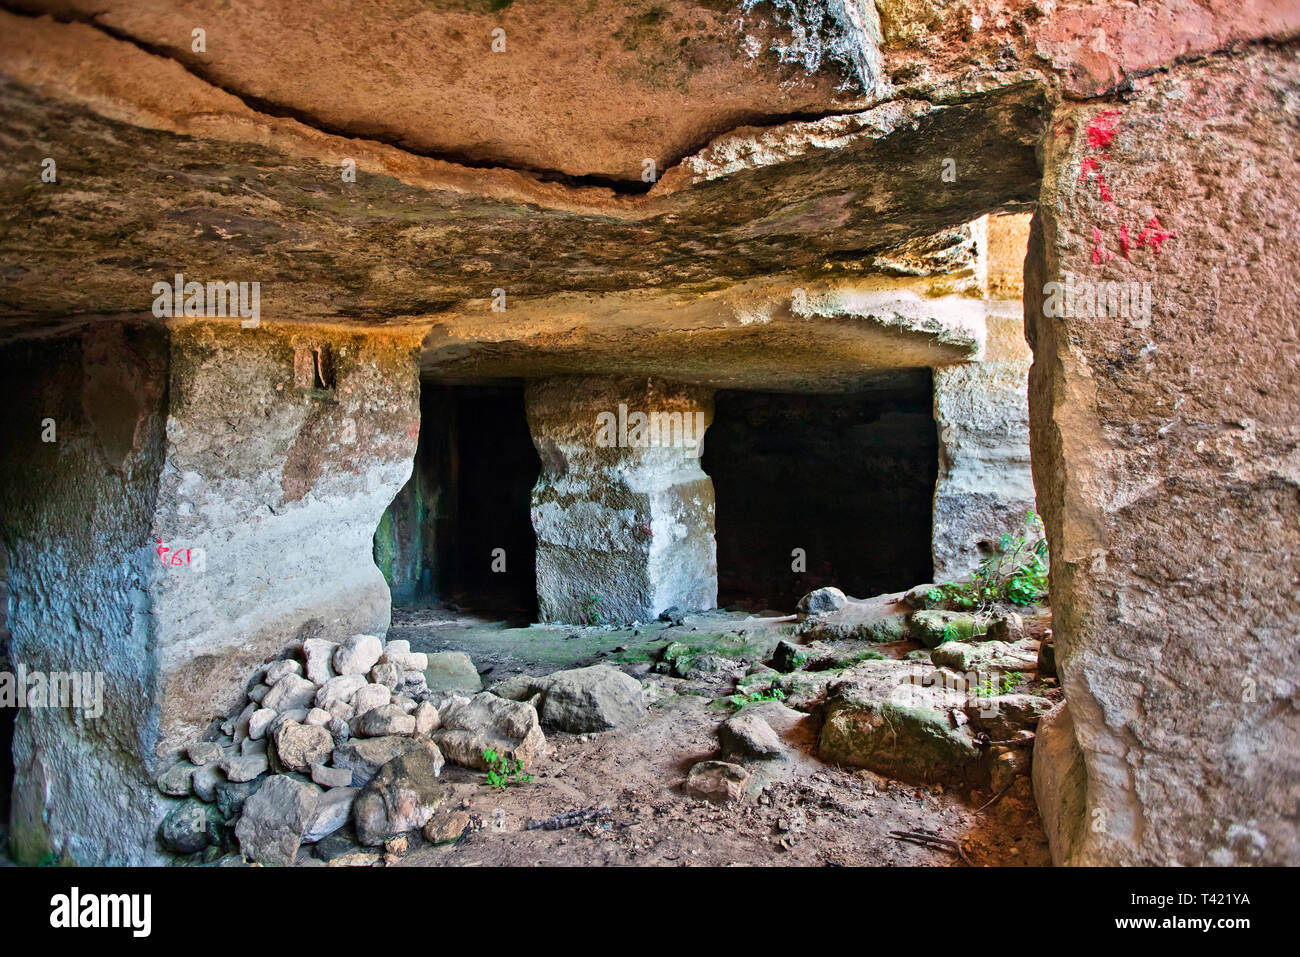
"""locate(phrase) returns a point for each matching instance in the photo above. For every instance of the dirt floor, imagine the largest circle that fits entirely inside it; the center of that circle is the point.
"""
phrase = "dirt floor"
(800, 811)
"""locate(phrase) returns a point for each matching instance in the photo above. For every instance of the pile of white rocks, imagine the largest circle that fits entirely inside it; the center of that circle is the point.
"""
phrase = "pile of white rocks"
(336, 732)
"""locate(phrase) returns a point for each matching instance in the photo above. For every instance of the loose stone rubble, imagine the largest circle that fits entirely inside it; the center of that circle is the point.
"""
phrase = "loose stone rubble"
(334, 734)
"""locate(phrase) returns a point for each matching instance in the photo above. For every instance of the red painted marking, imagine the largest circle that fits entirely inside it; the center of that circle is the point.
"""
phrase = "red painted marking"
(1153, 235)
(176, 560)
(1100, 134)
(1101, 131)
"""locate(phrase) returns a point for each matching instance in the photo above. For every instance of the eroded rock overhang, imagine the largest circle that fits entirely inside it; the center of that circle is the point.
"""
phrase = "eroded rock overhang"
(203, 182)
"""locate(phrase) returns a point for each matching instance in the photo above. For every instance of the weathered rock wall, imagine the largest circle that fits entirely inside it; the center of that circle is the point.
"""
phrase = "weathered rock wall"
(1165, 458)
(75, 514)
(624, 531)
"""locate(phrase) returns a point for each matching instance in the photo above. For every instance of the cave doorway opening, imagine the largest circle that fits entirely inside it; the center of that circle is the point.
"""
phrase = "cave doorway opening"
(459, 533)
(823, 489)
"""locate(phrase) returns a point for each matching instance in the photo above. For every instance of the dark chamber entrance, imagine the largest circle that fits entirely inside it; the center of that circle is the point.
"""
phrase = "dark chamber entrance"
(468, 497)
(848, 478)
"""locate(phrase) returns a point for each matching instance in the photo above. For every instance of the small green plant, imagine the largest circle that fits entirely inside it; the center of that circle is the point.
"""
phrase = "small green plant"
(756, 697)
(1016, 572)
(991, 686)
(589, 610)
(503, 772)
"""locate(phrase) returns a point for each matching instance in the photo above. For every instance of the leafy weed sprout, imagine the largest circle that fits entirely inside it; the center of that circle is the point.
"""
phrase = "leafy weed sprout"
(502, 772)
(589, 610)
(1016, 572)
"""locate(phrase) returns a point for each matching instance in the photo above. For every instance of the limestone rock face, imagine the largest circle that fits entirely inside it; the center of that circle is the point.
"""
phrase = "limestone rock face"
(1164, 432)
(622, 510)
(106, 463)
(705, 77)
(985, 485)
(326, 464)
(1060, 782)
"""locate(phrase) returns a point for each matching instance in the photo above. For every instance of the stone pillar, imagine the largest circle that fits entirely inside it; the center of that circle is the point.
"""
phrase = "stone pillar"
(208, 499)
(1165, 428)
(985, 486)
(284, 447)
(622, 510)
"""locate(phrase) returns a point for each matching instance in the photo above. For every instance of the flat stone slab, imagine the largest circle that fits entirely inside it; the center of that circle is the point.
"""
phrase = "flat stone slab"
(452, 671)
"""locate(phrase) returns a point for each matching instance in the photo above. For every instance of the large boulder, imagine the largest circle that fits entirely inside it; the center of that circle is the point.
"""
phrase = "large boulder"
(365, 756)
(401, 797)
(747, 735)
(904, 721)
(471, 726)
(271, 828)
(822, 600)
(581, 700)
